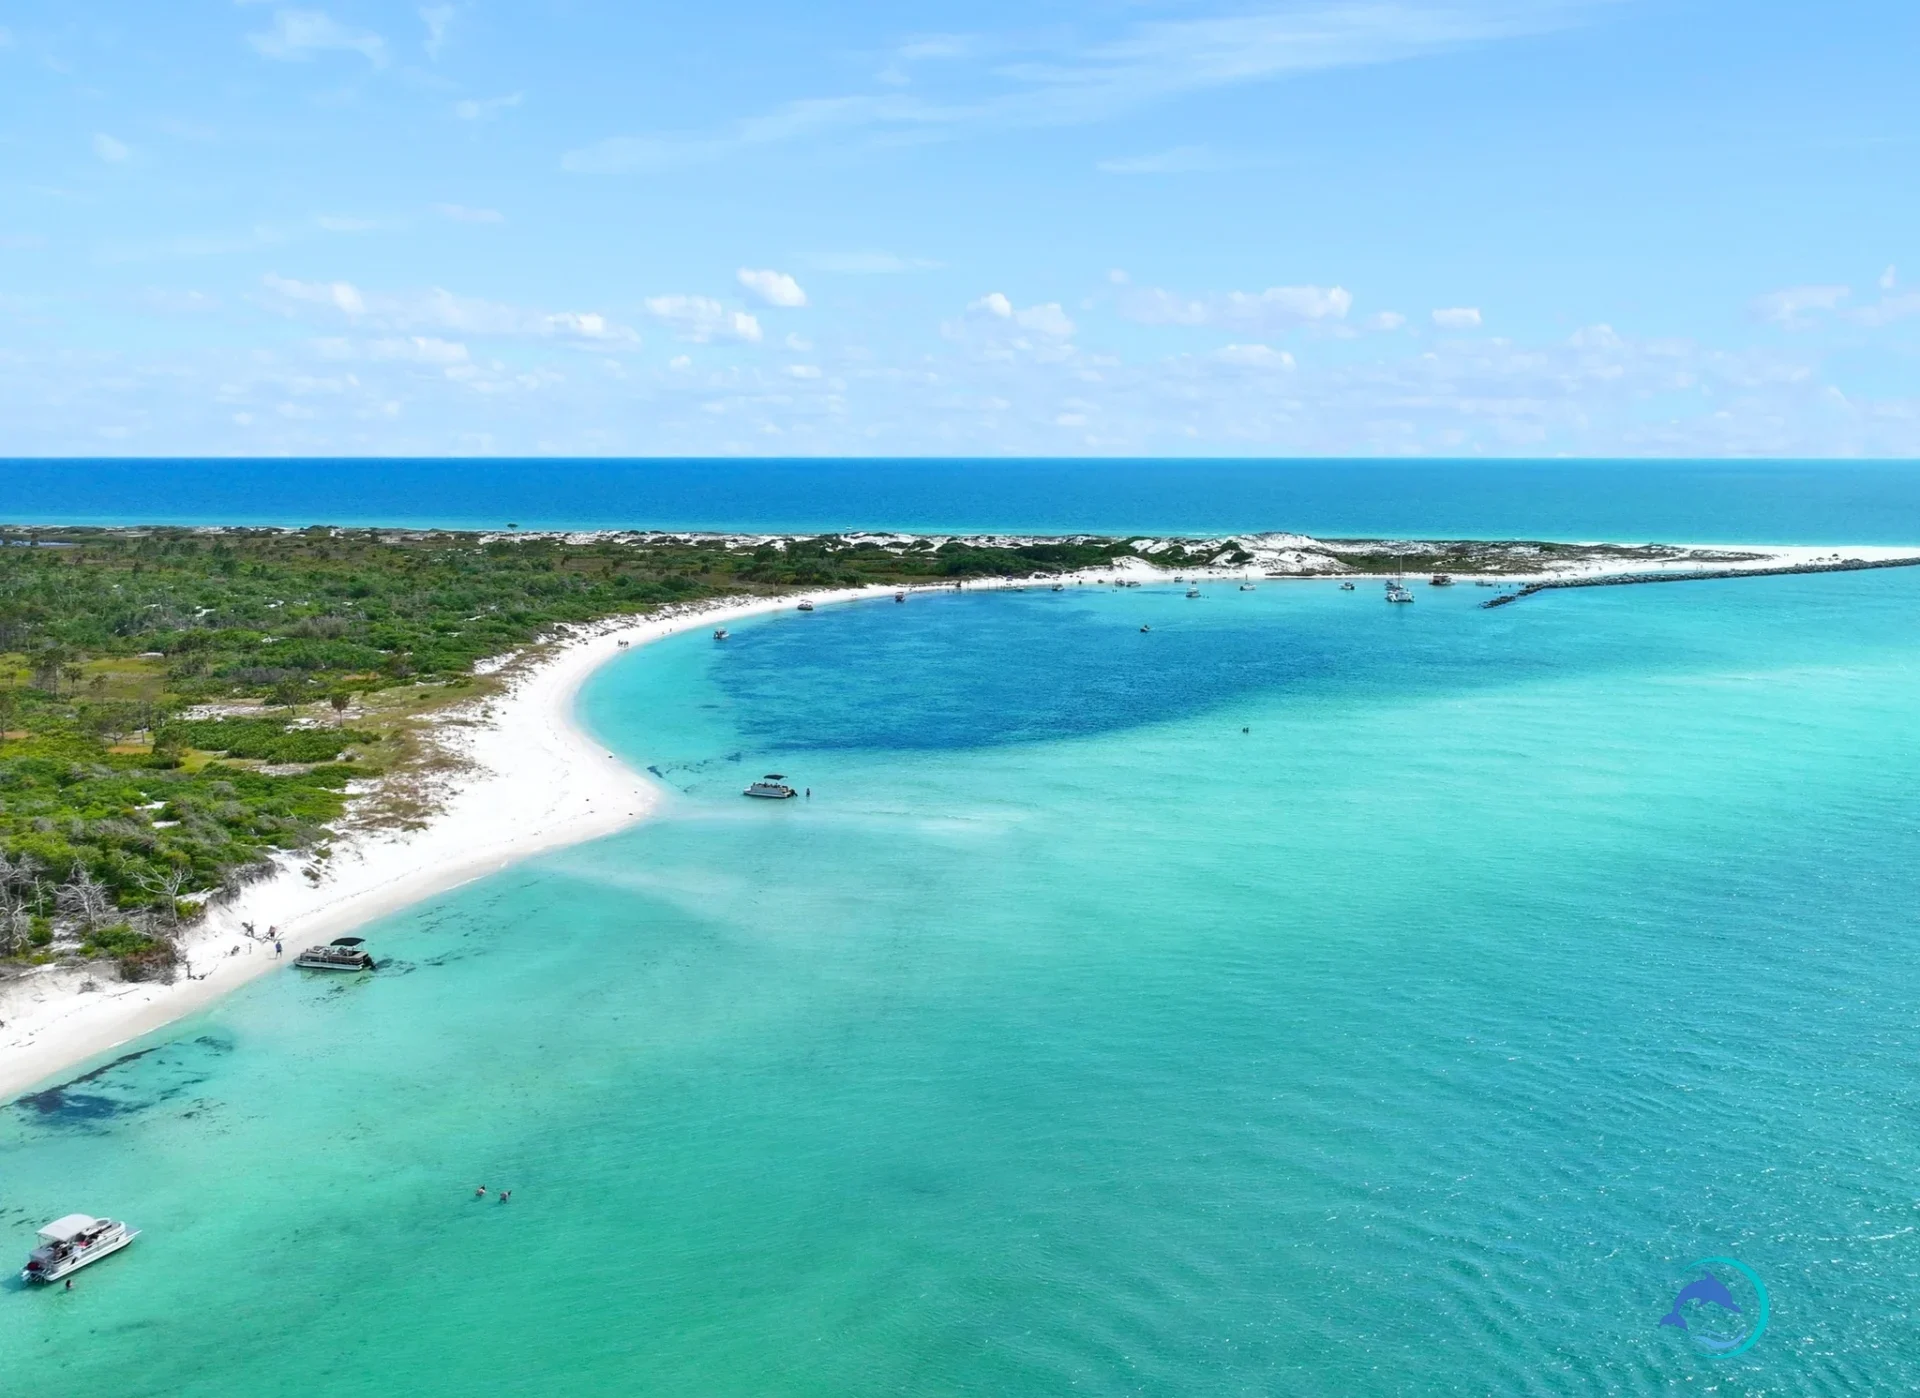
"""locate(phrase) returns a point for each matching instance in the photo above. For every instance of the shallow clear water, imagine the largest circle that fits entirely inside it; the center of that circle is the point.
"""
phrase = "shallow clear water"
(1307, 996)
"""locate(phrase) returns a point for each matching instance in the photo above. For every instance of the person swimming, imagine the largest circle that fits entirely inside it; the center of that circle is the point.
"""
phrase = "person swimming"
(479, 1191)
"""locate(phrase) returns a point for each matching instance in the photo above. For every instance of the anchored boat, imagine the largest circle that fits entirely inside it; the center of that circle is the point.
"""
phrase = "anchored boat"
(721, 634)
(772, 787)
(341, 954)
(806, 606)
(70, 1243)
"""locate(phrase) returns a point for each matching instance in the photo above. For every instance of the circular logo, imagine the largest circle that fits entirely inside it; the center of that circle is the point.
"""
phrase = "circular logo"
(1722, 1310)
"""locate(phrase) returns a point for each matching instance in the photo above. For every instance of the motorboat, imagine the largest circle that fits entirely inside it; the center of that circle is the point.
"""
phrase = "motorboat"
(1246, 587)
(720, 633)
(1193, 592)
(900, 596)
(341, 954)
(1145, 629)
(1440, 580)
(1059, 587)
(1346, 587)
(772, 787)
(806, 606)
(70, 1243)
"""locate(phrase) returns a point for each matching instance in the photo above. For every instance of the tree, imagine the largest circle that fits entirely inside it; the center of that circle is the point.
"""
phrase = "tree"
(84, 898)
(340, 698)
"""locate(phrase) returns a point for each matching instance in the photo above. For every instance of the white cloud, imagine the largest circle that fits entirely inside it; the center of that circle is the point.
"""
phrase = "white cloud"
(1457, 317)
(1889, 279)
(1047, 319)
(437, 18)
(1385, 320)
(680, 363)
(108, 149)
(993, 303)
(419, 349)
(803, 371)
(1255, 357)
(344, 297)
(460, 213)
(774, 288)
(701, 318)
(298, 35)
(1888, 309)
(1793, 305)
(1276, 306)
(442, 310)
(874, 263)
(1181, 160)
(799, 344)
(485, 108)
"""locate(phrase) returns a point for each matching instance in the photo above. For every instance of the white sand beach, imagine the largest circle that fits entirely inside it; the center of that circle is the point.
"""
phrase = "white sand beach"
(536, 780)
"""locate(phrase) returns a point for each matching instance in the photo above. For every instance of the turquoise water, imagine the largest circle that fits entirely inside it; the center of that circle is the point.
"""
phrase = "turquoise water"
(1306, 997)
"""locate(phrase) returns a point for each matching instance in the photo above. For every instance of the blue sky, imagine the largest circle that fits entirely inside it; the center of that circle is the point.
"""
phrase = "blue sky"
(1525, 227)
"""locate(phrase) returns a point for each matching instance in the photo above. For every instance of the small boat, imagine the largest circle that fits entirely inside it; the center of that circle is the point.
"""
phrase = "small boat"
(1440, 580)
(1397, 593)
(1193, 592)
(1059, 587)
(1346, 587)
(772, 787)
(806, 606)
(341, 954)
(1246, 587)
(900, 596)
(1145, 629)
(70, 1243)
(720, 633)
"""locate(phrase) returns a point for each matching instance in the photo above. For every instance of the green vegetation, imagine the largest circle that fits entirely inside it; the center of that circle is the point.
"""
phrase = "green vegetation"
(123, 811)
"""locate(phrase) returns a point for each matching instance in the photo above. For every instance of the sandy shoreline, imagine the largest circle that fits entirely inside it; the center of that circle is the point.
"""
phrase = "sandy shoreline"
(536, 781)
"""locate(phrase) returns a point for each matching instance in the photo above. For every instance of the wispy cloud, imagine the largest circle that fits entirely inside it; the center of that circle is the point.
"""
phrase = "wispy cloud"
(1457, 317)
(1146, 63)
(460, 213)
(108, 149)
(298, 35)
(1794, 305)
(485, 108)
(874, 263)
(441, 310)
(438, 19)
(1180, 160)
(1277, 307)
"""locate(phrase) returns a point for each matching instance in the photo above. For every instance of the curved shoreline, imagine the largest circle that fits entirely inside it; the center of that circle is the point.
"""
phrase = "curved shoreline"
(537, 780)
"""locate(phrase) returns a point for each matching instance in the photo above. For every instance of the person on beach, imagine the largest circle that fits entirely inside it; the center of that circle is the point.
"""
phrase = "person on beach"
(276, 949)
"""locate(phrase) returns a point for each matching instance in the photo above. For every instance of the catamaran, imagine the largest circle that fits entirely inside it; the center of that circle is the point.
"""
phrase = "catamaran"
(70, 1243)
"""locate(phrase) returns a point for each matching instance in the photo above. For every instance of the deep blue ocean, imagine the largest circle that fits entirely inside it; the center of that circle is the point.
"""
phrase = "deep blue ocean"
(1621, 501)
